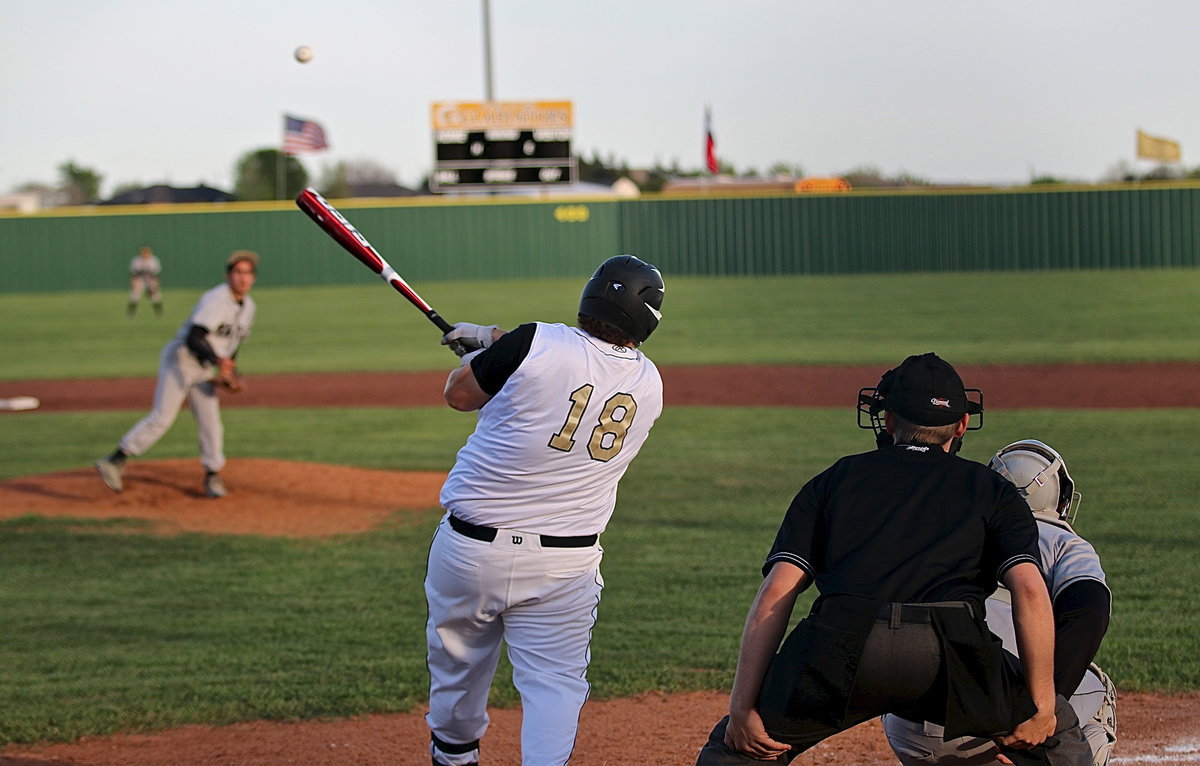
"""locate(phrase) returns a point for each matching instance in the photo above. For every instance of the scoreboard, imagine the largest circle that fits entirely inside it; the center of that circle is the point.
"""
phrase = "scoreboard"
(495, 144)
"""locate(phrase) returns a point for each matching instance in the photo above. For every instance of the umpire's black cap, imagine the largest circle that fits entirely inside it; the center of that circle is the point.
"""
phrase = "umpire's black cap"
(925, 390)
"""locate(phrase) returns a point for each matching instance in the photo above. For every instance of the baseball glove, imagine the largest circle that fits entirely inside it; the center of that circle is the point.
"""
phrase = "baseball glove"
(234, 383)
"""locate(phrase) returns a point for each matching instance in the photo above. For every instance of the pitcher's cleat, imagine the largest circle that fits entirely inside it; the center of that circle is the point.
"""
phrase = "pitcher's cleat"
(110, 474)
(213, 486)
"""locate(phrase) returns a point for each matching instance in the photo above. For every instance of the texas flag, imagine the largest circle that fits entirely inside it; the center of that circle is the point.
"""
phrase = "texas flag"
(710, 144)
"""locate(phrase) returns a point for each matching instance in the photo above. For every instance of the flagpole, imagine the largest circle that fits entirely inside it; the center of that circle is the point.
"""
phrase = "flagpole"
(487, 52)
(707, 137)
(279, 165)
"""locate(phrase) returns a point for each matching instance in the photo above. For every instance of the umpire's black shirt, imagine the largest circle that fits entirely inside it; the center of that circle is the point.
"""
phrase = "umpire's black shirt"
(907, 523)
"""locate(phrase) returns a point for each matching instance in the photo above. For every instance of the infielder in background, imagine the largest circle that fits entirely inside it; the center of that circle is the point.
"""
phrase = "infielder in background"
(904, 543)
(562, 412)
(144, 272)
(192, 366)
(1081, 602)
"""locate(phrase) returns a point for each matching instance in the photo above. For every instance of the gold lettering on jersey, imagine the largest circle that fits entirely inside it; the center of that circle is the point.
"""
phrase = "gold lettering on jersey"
(564, 440)
(609, 436)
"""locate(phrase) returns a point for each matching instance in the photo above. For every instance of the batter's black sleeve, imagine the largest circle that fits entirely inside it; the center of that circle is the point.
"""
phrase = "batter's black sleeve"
(197, 343)
(1081, 614)
(500, 360)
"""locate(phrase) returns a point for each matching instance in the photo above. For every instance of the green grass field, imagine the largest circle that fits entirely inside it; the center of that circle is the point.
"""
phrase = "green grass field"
(1052, 316)
(111, 628)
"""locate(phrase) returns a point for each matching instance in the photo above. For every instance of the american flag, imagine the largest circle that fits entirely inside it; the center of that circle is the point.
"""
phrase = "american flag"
(301, 136)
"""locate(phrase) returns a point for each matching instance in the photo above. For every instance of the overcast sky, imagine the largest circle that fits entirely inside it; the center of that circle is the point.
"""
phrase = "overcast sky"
(949, 90)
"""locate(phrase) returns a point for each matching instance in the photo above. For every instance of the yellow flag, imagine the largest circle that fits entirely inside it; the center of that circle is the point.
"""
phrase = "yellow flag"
(1153, 148)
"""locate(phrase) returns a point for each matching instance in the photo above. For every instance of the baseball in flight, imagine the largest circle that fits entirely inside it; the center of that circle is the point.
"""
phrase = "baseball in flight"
(304, 54)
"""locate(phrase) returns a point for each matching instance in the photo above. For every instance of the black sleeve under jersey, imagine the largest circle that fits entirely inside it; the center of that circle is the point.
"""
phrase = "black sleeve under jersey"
(498, 361)
(1080, 621)
(197, 343)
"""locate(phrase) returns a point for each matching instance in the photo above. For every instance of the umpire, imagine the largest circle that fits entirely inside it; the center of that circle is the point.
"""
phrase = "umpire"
(904, 544)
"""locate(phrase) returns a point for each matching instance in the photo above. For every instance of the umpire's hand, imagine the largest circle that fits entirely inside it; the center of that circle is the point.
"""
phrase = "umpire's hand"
(746, 734)
(1032, 732)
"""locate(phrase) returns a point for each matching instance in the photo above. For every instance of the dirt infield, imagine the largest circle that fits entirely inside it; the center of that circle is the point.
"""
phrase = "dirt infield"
(304, 500)
(1174, 384)
(288, 499)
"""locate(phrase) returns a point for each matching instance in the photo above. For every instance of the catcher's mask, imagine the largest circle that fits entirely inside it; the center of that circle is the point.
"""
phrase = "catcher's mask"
(1040, 475)
(627, 293)
(924, 390)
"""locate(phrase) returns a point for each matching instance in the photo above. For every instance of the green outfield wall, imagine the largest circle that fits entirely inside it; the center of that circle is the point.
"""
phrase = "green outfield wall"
(496, 238)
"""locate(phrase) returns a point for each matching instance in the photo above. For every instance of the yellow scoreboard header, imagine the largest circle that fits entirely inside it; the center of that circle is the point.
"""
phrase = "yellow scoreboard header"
(502, 115)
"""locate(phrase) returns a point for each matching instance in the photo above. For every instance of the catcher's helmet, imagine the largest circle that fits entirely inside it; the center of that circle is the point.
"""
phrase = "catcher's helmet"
(1040, 475)
(627, 293)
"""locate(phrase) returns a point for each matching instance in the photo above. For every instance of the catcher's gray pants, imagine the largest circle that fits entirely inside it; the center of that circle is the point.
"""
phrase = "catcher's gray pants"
(180, 377)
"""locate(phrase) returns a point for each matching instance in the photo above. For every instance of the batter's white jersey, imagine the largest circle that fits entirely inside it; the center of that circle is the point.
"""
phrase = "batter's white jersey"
(551, 445)
(228, 321)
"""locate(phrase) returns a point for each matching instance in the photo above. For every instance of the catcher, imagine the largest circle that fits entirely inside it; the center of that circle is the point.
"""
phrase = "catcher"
(1081, 602)
(194, 365)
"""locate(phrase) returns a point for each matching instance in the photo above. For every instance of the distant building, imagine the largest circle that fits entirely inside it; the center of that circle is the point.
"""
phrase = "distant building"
(702, 185)
(163, 194)
(721, 185)
(29, 202)
(381, 190)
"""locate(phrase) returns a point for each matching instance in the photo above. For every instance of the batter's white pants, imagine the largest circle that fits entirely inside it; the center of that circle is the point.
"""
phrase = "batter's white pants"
(542, 602)
(180, 377)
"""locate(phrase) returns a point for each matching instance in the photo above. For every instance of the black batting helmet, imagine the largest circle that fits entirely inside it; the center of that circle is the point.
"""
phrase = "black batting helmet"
(627, 293)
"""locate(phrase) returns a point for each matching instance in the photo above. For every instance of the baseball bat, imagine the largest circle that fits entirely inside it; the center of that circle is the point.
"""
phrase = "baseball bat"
(343, 232)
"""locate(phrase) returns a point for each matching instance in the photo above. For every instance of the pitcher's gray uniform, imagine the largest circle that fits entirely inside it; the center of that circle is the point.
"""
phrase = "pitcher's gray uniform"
(1066, 559)
(188, 365)
(517, 556)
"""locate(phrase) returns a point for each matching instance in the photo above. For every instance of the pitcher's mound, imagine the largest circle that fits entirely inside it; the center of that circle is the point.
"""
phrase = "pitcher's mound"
(266, 497)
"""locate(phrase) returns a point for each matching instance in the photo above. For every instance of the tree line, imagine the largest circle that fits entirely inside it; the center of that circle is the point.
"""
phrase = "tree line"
(266, 174)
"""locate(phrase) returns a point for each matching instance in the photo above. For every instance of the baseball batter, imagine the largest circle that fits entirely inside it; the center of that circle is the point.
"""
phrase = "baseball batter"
(1081, 601)
(198, 360)
(562, 412)
(144, 272)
